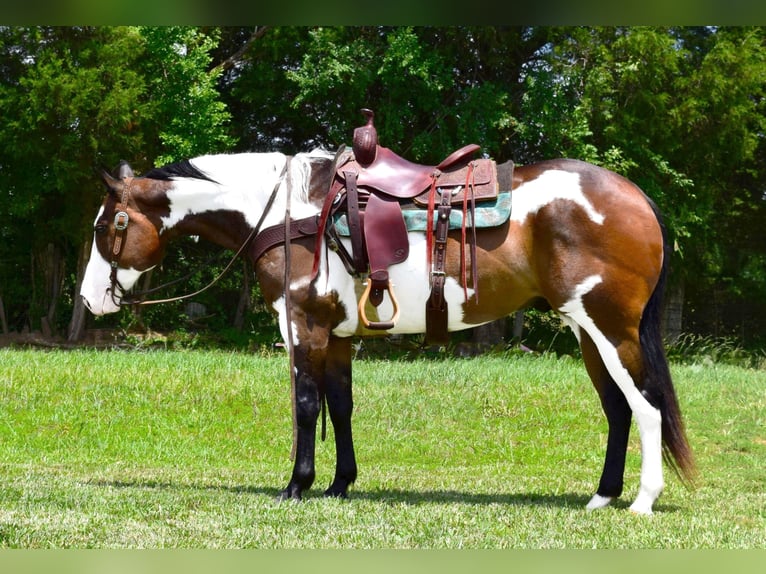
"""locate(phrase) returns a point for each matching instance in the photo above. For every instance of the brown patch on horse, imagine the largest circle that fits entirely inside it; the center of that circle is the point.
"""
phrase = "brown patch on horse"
(314, 315)
(322, 171)
(143, 246)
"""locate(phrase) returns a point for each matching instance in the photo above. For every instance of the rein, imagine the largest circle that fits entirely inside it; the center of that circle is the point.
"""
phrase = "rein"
(121, 220)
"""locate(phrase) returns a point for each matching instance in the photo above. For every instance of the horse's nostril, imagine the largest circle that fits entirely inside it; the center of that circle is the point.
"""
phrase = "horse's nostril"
(84, 300)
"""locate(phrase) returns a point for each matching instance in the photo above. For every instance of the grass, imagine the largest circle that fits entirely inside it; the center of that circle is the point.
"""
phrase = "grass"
(188, 449)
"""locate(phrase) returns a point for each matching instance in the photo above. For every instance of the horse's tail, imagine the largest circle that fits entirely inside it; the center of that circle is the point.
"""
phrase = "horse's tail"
(658, 385)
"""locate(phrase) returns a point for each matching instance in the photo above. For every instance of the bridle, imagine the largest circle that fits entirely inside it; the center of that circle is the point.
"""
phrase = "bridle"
(121, 221)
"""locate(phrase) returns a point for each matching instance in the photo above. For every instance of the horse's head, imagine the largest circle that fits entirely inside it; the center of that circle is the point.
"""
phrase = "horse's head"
(127, 239)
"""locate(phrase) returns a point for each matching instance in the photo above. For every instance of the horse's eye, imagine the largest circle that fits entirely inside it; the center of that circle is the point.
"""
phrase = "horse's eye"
(101, 228)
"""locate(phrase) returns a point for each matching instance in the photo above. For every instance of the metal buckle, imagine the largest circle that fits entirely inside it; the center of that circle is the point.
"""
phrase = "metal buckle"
(452, 191)
(119, 217)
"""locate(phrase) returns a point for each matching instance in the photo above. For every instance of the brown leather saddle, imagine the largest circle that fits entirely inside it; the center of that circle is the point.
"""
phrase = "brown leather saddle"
(370, 186)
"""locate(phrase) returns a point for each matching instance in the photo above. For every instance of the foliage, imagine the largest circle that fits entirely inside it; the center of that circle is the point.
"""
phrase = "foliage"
(679, 110)
(76, 101)
(431, 88)
(707, 350)
(183, 91)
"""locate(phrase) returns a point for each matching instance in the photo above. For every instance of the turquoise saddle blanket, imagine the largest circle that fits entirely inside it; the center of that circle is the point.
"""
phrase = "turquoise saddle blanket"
(488, 214)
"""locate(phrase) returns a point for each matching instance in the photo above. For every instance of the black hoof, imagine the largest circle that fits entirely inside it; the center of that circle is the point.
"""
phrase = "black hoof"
(336, 490)
(289, 494)
(330, 493)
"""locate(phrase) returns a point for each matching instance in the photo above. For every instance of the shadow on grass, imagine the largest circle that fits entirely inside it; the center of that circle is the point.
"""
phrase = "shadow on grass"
(399, 497)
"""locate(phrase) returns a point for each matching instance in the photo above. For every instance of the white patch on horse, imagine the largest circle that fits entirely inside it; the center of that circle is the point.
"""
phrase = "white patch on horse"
(648, 418)
(551, 185)
(572, 325)
(598, 501)
(281, 310)
(411, 286)
(235, 189)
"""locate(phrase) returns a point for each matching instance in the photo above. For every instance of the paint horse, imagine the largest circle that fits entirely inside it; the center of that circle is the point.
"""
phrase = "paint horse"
(583, 240)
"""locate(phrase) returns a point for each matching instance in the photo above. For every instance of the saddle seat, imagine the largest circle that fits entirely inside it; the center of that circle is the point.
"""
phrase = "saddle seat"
(398, 177)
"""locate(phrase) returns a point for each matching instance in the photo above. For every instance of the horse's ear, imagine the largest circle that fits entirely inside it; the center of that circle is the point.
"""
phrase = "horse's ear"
(111, 183)
(114, 180)
(124, 170)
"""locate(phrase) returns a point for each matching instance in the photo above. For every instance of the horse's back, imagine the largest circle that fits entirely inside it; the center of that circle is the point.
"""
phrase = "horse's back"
(607, 192)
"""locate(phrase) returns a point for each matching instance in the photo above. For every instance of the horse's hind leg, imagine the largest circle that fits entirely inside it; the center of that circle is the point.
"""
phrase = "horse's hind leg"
(338, 393)
(615, 336)
(618, 418)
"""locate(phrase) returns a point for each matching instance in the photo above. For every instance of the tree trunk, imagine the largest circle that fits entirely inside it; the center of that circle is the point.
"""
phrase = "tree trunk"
(48, 266)
(244, 299)
(674, 307)
(489, 335)
(518, 326)
(3, 319)
(79, 314)
(54, 280)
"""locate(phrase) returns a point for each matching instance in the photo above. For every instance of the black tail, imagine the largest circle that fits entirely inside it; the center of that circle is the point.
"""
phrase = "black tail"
(658, 385)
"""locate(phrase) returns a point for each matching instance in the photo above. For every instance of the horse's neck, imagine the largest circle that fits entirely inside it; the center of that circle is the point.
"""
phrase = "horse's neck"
(233, 203)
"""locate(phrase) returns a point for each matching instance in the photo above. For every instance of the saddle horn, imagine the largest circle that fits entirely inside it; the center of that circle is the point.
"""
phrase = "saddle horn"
(365, 140)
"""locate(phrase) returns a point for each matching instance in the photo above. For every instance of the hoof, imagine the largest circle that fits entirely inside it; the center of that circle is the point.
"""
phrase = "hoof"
(338, 488)
(641, 509)
(333, 493)
(289, 494)
(645, 500)
(598, 501)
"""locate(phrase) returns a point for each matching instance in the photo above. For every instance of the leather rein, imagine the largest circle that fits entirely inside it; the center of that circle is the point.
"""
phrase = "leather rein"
(121, 220)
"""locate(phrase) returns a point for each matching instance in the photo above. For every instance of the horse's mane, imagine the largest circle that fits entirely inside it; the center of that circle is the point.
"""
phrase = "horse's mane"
(183, 168)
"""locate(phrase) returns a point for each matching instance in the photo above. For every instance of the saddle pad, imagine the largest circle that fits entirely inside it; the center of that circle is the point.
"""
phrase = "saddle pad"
(488, 214)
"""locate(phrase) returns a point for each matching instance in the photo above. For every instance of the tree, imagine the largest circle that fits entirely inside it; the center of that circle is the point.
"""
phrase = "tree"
(432, 88)
(77, 100)
(188, 116)
(679, 110)
(69, 100)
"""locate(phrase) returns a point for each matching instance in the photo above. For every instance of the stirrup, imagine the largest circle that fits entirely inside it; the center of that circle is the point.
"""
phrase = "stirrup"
(378, 325)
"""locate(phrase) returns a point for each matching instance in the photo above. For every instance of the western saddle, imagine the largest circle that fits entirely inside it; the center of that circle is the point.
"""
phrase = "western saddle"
(370, 186)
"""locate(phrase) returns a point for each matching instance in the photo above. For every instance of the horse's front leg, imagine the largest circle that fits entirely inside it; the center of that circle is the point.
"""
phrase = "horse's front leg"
(340, 404)
(308, 380)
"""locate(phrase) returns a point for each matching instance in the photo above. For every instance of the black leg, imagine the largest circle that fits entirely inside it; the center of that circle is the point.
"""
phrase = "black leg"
(340, 404)
(307, 412)
(618, 416)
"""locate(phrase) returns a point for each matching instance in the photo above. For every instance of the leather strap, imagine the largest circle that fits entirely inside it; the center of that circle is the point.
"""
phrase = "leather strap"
(121, 219)
(430, 218)
(469, 189)
(436, 306)
(327, 207)
(355, 222)
(275, 235)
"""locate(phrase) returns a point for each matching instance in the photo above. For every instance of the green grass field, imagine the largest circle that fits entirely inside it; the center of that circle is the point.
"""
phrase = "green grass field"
(188, 449)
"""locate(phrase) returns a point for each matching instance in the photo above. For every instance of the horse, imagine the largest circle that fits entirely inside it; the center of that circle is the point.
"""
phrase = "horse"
(583, 240)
